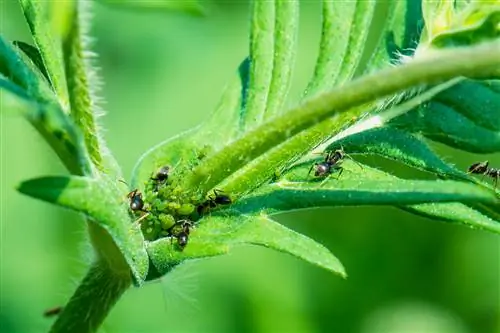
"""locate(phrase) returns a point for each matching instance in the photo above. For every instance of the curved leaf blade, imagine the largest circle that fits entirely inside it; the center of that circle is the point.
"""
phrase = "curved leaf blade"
(105, 207)
(35, 56)
(218, 235)
(399, 146)
(455, 213)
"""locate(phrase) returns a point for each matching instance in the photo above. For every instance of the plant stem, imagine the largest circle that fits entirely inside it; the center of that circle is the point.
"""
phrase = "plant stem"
(90, 304)
(473, 61)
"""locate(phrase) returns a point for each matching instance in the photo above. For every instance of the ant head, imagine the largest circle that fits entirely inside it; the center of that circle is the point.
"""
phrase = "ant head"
(479, 167)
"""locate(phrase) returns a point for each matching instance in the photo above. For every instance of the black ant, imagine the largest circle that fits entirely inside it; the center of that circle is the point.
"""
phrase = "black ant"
(162, 174)
(482, 168)
(181, 235)
(136, 201)
(213, 201)
(331, 164)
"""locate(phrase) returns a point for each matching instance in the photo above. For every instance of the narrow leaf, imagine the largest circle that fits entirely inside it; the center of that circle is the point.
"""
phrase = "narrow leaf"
(187, 6)
(103, 204)
(286, 30)
(359, 187)
(218, 235)
(261, 61)
(441, 123)
(397, 145)
(49, 45)
(455, 213)
(35, 56)
(345, 28)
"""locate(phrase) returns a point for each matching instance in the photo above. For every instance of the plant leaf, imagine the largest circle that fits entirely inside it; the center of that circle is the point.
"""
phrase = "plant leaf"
(48, 43)
(272, 52)
(441, 123)
(345, 29)
(35, 56)
(371, 87)
(102, 202)
(218, 235)
(366, 186)
(188, 6)
(455, 213)
(82, 83)
(397, 145)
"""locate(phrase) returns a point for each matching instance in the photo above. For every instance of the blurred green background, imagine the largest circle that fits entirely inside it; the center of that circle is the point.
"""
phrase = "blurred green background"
(163, 73)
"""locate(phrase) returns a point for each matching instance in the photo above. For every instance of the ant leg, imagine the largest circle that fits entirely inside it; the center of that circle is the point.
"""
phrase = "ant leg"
(340, 169)
(138, 221)
(310, 169)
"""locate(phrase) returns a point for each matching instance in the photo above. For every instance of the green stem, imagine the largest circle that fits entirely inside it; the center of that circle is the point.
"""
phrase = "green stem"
(95, 297)
(444, 65)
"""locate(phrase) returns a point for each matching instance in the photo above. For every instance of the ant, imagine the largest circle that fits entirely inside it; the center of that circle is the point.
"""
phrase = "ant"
(136, 202)
(53, 311)
(181, 235)
(482, 168)
(161, 176)
(213, 201)
(331, 164)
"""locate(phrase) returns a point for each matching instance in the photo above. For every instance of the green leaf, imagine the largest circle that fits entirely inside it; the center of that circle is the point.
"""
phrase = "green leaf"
(35, 56)
(48, 42)
(357, 186)
(188, 6)
(272, 52)
(478, 101)
(443, 66)
(218, 235)
(104, 204)
(82, 85)
(455, 213)
(345, 29)
(441, 123)
(397, 145)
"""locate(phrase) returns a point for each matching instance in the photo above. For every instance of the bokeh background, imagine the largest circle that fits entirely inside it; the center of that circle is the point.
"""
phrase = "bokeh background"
(163, 73)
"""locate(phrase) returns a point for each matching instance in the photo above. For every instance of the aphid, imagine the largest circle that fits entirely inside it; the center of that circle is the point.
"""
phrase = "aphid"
(482, 168)
(182, 233)
(53, 311)
(162, 174)
(213, 201)
(136, 202)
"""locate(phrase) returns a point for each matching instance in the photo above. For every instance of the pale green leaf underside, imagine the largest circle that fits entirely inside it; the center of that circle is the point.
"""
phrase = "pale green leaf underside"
(218, 235)
(102, 202)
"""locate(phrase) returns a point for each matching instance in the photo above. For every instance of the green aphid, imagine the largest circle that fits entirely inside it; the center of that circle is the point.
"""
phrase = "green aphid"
(185, 209)
(166, 221)
(173, 205)
(151, 230)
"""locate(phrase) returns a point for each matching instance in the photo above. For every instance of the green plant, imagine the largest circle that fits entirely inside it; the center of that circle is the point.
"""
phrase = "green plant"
(258, 154)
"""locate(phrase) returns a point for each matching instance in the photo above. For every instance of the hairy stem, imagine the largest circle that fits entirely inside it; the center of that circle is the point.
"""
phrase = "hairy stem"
(95, 297)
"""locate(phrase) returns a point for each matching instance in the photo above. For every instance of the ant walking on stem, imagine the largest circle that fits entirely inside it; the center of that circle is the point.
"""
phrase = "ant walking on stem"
(482, 168)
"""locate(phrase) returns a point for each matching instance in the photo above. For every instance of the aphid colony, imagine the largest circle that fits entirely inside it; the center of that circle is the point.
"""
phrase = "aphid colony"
(160, 212)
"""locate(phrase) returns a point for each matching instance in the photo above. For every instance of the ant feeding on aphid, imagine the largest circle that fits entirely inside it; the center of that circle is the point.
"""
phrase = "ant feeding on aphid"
(180, 230)
(213, 201)
(332, 162)
(482, 168)
(53, 311)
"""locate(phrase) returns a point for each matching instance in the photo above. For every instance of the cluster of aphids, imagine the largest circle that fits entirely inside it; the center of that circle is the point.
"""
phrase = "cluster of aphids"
(482, 168)
(164, 211)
